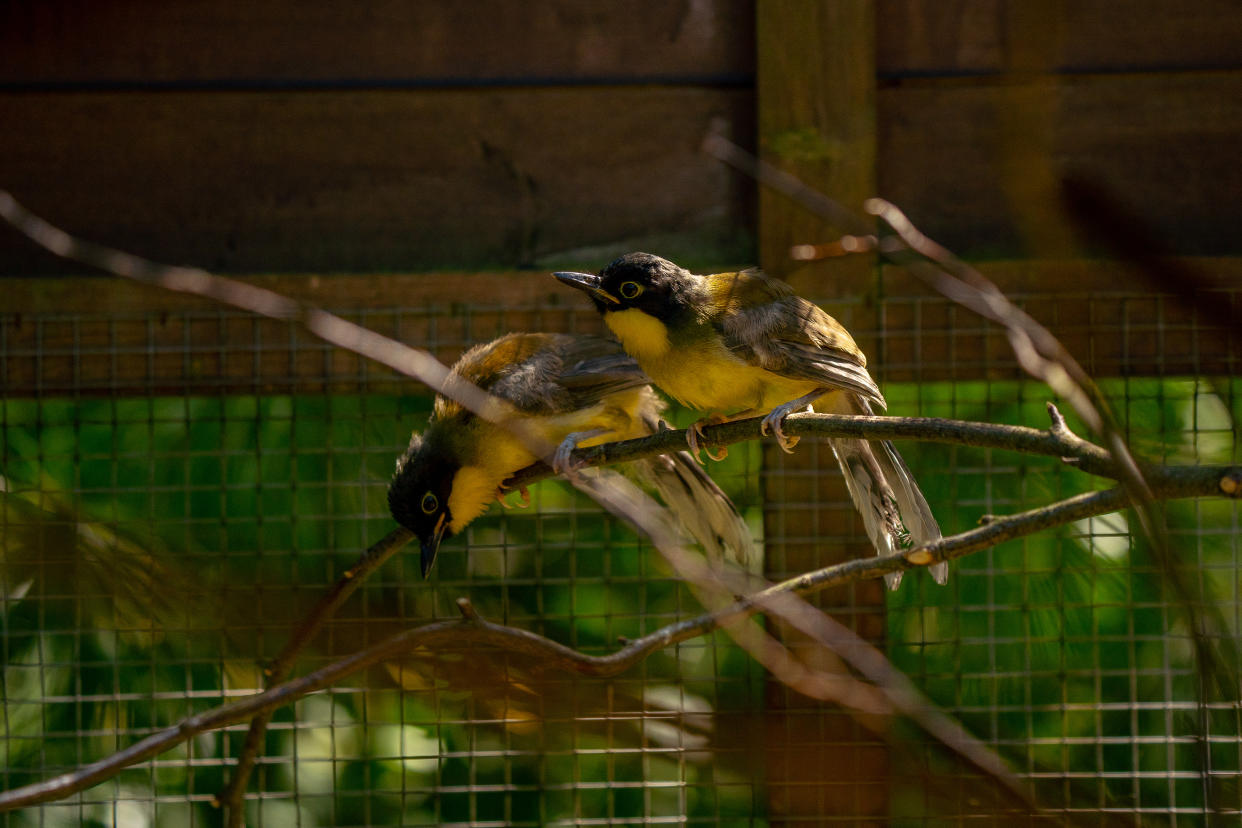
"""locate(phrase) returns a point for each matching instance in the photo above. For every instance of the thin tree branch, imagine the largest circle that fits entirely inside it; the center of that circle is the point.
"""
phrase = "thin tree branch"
(1056, 441)
(412, 362)
(280, 667)
(611, 491)
(1044, 357)
(474, 630)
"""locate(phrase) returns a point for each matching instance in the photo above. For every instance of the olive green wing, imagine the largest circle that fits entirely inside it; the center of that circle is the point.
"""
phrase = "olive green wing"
(768, 326)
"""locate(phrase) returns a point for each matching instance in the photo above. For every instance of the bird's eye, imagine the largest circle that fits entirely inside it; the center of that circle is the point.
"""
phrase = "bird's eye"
(430, 503)
(630, 290)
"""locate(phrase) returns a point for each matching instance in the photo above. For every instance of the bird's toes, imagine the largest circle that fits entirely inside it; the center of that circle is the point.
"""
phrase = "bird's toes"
(563, 461)
(692, 441)
(772, 425)
(503, 492)
(695, 433)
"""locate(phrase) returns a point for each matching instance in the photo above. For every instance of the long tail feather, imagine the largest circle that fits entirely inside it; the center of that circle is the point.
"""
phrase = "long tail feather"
(893, 509)
(701, 506)
(915, 513)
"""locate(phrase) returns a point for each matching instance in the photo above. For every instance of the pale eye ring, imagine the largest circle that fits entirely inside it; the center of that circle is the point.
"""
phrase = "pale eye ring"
(630, 290)
(430, 503)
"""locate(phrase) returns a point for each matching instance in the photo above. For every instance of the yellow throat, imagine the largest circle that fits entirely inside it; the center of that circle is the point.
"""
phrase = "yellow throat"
(641, 334)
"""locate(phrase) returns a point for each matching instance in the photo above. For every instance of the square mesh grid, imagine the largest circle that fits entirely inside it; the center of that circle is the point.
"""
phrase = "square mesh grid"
(181, 487)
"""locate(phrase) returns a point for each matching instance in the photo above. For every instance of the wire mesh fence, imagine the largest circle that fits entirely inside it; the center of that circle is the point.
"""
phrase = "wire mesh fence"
(181, 486)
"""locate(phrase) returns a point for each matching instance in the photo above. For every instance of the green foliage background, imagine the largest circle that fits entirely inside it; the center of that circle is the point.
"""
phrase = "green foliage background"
(156, 549)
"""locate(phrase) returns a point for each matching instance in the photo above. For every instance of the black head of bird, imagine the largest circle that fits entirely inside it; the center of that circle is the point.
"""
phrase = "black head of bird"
(637, 281)
(419, 495)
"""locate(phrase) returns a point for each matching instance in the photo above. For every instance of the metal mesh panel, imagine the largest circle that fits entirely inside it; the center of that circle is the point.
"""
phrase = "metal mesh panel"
(1068, 652)
(181, 486)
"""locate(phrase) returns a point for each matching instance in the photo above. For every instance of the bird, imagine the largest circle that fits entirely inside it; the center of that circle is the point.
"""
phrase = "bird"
(566, 390)
(746, 342)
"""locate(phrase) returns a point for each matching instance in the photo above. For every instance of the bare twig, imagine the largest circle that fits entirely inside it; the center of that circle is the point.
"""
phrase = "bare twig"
(1102, 215)
(280, 667)
(611, 491)
(1056, 441)
(331, 328)
(1038, 352)
(1044, 357)
(474, 630)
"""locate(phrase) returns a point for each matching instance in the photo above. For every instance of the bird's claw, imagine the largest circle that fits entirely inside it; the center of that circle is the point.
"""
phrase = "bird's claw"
(772, 424)
(695, 433)
(523, 493)
(563, 462)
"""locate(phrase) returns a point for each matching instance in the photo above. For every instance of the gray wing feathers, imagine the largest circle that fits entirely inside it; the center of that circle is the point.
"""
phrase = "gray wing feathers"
(593, 367)
(915, 513)
(795, 338)
(874, 499)
(577, 374)
(829, 367)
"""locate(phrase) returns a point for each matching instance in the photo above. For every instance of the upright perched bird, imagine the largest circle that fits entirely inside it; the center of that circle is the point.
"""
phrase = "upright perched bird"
(568, 391)
(744, 342)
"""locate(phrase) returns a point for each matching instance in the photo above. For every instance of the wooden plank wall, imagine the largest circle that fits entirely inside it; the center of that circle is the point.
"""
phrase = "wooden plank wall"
(325, 137)
(984, 104)
(86, 336)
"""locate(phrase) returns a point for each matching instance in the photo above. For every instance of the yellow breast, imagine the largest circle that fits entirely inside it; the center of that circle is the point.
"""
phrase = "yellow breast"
(708, 377)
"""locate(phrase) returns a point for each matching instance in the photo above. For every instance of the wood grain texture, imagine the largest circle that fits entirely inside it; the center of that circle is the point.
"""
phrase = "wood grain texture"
(364, 181)
(1164, 144)
(951, 37)
(816, 114)
(305, 41)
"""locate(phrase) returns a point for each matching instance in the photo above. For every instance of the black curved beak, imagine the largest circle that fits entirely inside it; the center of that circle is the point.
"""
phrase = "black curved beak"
(431, 544)
(587, 283)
